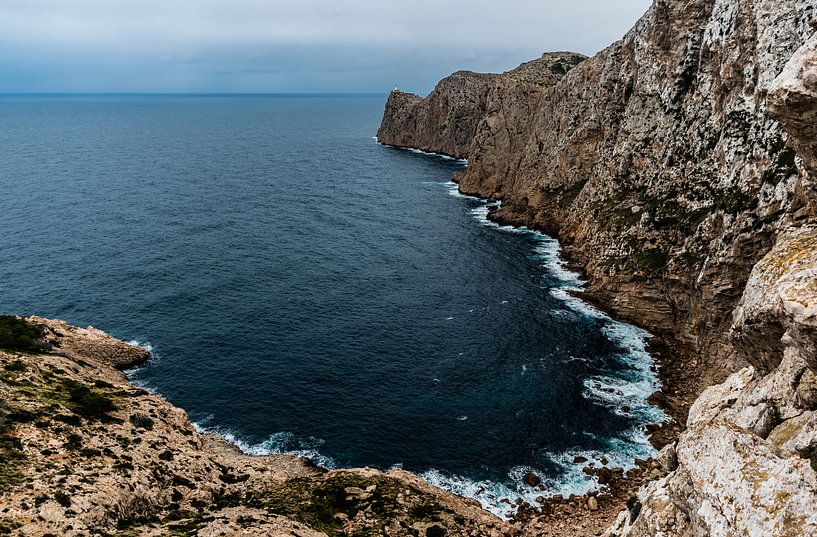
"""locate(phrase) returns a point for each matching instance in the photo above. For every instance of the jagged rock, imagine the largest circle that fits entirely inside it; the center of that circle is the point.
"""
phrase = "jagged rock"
(678, 168)
(670, 120)
(668, 458)
(531, 479)
(91, 342)
(604, 475)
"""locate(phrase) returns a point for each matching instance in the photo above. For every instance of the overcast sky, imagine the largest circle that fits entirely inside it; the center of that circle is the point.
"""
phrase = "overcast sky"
(293, 46)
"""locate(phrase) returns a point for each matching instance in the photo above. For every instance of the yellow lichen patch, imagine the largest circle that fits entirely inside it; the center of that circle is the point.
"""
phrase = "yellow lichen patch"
(794, 252)
(786, 431)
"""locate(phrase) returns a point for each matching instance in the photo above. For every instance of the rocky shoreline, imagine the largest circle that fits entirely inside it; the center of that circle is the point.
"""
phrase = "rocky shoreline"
(677, 168)
(82, 452)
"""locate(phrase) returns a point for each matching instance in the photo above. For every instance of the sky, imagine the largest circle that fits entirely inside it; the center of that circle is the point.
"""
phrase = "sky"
(272, 46)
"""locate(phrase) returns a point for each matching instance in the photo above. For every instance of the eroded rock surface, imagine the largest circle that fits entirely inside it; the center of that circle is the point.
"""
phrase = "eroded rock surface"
(747, 463)
(656, 162)
(446, 121)
(678, 169)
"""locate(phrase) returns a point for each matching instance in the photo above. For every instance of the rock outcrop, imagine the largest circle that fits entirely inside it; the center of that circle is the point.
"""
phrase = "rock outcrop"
(446, 121)
(82, 452)
(747, 462)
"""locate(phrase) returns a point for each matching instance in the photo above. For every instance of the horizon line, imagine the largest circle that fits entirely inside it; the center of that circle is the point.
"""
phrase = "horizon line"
(196, 93)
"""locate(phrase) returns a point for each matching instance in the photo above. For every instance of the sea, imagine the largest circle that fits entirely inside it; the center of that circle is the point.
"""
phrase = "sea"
(304, 289)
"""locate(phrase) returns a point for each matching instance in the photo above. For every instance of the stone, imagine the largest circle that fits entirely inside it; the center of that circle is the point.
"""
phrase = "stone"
(667, 458)
(592, 504)
(604, 475)
(143, 466)
(531, 479)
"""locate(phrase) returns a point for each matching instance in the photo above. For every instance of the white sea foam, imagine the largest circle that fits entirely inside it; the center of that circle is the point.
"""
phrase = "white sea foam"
(462, 161)
(630, 385)
(438, 155)
(154, 358)
(281, 443)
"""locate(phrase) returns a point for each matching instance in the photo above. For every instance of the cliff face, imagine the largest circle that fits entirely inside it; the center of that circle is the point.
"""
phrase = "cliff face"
(655, 162)
(446, 120)
(746, 463)
(84, 453)
(678, 168)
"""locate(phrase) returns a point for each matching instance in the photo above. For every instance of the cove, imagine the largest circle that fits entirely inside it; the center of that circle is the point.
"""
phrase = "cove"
(306, 290)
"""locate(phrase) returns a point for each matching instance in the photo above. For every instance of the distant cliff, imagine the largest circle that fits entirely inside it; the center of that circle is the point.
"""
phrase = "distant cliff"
(655, 162)
(446, 121)
(677, 167)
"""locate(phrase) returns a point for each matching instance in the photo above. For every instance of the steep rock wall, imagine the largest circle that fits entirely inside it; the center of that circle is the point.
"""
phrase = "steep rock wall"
(446, 120)
(656, 164)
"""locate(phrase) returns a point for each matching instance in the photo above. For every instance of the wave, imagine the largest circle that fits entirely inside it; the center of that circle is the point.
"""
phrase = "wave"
(463, 161)
(154, 358)
(568, 479)
(281, 443)
(624, 388)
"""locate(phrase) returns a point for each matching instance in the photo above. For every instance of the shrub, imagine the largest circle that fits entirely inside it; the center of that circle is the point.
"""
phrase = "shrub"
(88, 403)
(17, 334)
(62, 499)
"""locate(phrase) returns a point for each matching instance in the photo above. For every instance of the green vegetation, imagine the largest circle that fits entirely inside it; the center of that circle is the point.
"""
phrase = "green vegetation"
(8, 526)
(17, 334)
(315, 502)
(62, 499)
(89, 403)
(11, 451)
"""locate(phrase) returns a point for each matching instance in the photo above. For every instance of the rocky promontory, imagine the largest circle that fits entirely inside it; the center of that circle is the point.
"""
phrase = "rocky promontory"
(82, 452)
(446, 121)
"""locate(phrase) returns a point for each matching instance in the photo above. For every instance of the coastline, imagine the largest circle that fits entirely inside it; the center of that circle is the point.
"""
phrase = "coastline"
(674, 395)
(84, 451)
(620, 489)
(611, 497)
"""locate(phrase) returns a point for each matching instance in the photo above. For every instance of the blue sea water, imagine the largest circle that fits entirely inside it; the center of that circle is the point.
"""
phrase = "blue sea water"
(305, 289)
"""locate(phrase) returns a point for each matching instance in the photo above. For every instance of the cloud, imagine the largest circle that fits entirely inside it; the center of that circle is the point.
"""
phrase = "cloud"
(272, 45)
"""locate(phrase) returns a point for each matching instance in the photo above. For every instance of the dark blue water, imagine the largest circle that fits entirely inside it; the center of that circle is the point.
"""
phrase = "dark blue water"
(306, 289)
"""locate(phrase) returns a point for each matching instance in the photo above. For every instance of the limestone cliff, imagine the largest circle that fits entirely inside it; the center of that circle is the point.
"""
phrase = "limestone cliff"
(654, 162)
(446, 120)
(678, 168)
(747, 463)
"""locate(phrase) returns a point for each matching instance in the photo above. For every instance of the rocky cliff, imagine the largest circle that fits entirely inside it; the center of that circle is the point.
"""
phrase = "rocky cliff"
(677, 167)
(446, 120)
(655, 162)
(747, 462)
